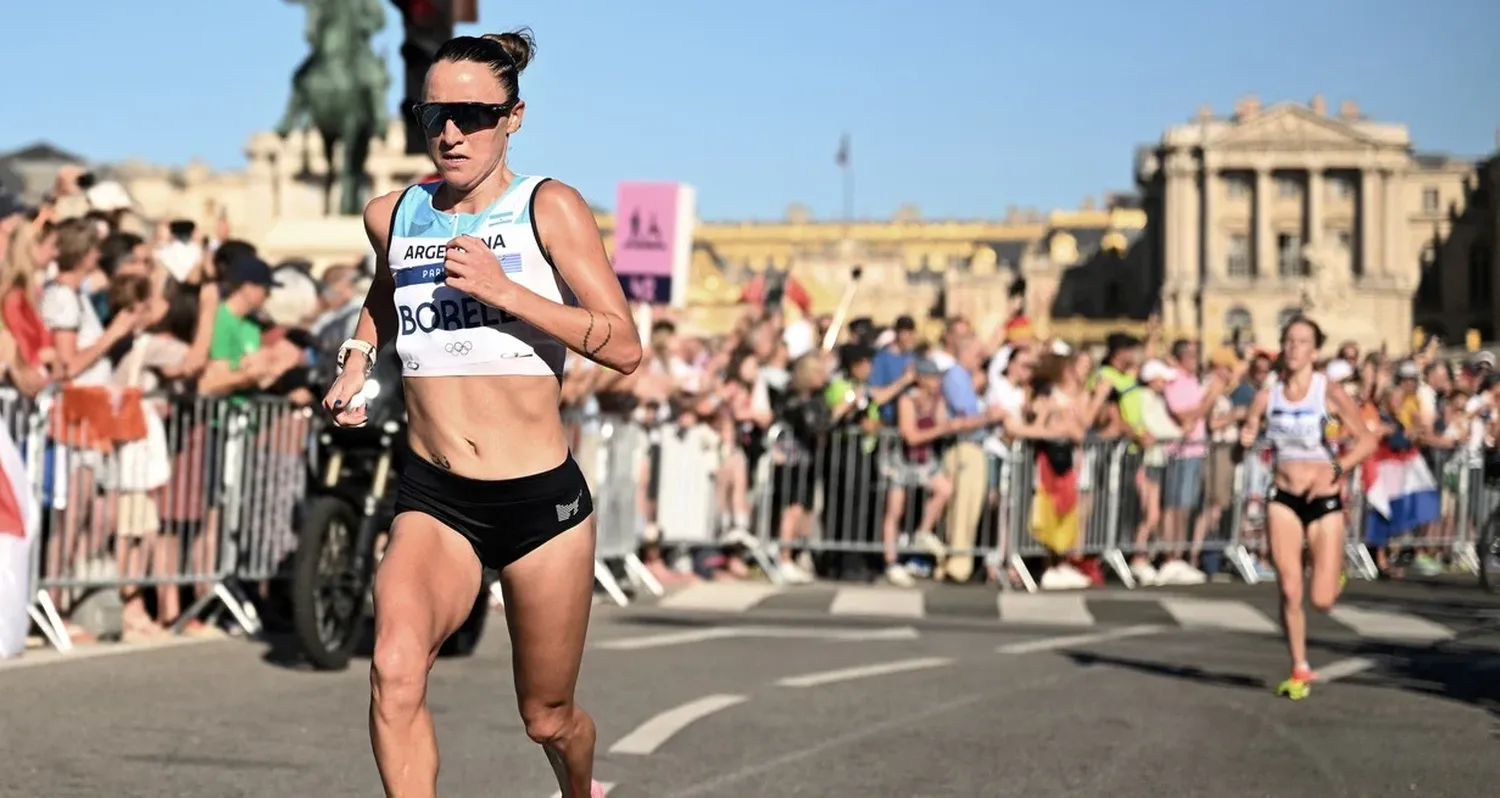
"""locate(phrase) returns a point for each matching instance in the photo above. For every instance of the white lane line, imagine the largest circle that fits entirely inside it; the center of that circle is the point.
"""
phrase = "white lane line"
(827, 634)
(1233, 616)
(1390, 625)
(650, 735)
(1055, 643)
(607, 785)
(1043, 608)
(1343, 668)
(890, 602)
(852, 635)
(667, 639)
(719, 596)
(863, 672)
(40, 657)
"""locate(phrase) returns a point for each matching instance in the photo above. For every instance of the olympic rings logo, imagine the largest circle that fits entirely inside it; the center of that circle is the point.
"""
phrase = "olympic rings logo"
(412, 364)
(458, 347)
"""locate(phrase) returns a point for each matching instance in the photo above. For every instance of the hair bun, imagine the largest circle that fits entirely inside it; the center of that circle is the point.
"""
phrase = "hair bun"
(519, 44)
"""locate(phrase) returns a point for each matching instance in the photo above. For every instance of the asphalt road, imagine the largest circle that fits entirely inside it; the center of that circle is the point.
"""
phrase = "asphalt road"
(736, 705)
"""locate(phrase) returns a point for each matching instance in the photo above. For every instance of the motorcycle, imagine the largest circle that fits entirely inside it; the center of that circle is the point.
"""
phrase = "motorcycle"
(342, 523)
(1488, 549)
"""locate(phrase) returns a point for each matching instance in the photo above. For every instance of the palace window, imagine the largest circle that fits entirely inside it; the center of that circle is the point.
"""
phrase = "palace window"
(1237, 187)
(1237, 320)
(1289, 261)
(1286, 315)
(1431, 200)
(1240, 264)
(1288, 188)
(1340, 187)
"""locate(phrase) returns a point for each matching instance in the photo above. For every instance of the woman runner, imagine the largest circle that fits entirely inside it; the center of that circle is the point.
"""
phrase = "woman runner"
(1305, 505)
(484, 280)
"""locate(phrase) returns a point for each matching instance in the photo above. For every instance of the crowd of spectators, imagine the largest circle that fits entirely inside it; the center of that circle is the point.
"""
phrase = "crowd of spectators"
(132, 336)
(886, 454)
(910, 459)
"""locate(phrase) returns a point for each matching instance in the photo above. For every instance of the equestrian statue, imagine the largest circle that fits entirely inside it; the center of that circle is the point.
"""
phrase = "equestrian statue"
(340, 91)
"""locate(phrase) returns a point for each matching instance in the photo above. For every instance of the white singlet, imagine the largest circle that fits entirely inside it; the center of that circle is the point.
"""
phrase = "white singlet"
(1296, 430)
(444, 332)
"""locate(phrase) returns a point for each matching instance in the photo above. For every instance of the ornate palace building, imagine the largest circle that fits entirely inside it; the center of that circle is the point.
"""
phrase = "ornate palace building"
(1272, 211)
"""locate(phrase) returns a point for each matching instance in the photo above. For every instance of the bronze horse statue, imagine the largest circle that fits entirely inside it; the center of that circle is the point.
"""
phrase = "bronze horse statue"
(340, 91)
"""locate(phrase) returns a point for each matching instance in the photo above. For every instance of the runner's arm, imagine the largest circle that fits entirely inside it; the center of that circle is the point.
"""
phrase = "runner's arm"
(377, 319)
(1348, 417)
(1253, 418)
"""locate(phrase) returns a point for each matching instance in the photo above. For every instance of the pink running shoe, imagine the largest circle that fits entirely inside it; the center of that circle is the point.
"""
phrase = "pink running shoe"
(596, 790)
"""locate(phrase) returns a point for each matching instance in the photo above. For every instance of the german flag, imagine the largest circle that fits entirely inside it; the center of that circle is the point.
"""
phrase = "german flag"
(1054, 507)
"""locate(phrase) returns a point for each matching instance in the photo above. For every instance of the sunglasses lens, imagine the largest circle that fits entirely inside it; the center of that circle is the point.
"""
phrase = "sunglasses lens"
(468, 117)
(432, 117)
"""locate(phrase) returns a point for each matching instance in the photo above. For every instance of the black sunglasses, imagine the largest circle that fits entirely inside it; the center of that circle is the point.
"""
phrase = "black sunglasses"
(467, 117)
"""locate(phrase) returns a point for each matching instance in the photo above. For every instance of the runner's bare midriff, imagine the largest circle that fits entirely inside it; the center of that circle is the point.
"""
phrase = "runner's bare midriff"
(487, 428)
(1306, 479)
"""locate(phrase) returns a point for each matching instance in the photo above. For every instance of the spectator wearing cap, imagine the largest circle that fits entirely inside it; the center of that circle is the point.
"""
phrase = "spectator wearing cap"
(1406, 405)
(1115, 382)
(921, 421)
(233, 366)
(851, 504)
(1483, 411)
(1157, 428)
(892, 367)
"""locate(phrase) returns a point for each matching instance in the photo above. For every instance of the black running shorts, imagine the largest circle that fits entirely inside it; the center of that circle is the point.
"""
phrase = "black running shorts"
(504, 520)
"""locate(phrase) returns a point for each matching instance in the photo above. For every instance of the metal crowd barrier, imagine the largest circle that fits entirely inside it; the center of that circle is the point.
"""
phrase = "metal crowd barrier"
(157, 492)
(203, 492)
(847, 494)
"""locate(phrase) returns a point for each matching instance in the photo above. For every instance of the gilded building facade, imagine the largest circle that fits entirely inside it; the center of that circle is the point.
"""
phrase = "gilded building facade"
(1266, 212)
(912, 266)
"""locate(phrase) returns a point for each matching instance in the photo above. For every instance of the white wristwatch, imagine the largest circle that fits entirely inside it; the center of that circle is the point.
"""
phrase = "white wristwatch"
(363, 347)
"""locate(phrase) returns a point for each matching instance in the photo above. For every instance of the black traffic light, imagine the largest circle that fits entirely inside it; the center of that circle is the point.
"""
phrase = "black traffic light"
(428, 24)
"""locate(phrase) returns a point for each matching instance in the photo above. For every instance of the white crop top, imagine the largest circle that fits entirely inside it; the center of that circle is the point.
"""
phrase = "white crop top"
(1296, 430)
(444, 332)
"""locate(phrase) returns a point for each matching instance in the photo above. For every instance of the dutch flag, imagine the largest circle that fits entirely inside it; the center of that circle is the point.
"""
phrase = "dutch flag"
(1400, 492)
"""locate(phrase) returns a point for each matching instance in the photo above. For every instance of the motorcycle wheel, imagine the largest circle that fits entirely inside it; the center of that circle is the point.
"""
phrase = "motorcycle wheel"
(1489, 554)
(328, 597)
(463, 642)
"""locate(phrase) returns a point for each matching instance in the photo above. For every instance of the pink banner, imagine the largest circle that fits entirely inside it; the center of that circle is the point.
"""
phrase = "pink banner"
(645, 229)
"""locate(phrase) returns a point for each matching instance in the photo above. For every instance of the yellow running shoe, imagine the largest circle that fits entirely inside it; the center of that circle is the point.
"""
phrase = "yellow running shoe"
(1294, 689)
(1299, 685)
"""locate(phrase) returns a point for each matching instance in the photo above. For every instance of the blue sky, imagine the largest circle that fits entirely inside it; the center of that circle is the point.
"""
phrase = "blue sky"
(962, 107)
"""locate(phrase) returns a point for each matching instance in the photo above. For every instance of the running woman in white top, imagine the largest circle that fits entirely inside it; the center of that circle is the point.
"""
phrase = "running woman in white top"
(483, 281)
(1305, 505)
